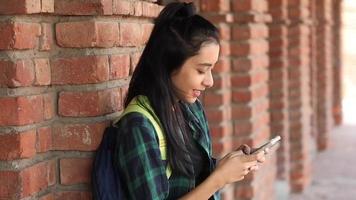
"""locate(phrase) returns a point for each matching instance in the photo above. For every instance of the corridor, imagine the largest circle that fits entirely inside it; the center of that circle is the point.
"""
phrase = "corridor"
(334, 174)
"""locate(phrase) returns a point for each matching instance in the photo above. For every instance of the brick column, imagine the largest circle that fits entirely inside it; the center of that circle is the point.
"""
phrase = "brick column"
(313, 70)
(337, 62)
(299, 94)
(249, 84)
(278, 82)
(324, 72)
(64, 68)
(217, 100)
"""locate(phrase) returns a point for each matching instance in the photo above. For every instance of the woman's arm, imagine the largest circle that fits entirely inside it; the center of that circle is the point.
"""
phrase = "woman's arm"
(233, 167)
(206, 189)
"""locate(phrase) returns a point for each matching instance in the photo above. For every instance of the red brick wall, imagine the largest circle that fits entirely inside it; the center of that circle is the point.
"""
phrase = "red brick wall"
(64, 70)
(250, 90)
(278, 82)
(65, 66)
(299, 94)
(313, 67)
(324, 71)
(337, 63)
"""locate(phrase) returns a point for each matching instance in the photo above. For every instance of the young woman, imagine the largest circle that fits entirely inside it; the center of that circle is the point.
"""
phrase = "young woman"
(174, 69)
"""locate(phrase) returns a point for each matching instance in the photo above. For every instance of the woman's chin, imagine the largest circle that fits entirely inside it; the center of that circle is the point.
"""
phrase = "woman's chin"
(190, 100)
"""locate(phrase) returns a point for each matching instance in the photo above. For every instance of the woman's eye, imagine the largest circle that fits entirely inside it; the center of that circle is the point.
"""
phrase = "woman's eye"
(201, 71)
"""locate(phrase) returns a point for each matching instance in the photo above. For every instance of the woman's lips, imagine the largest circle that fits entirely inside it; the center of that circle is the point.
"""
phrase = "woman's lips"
(196, 93)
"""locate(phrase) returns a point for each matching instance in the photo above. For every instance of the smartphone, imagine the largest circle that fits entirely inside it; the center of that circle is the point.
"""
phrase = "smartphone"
(268, 144)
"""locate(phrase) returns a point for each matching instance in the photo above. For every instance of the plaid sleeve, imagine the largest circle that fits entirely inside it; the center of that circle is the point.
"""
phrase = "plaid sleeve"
(139, 159)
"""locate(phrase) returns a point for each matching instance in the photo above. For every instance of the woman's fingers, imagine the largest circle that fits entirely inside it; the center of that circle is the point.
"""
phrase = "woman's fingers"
(237, 153)
(254, 168)
(247, 158)
(242, 162)
(245, 149)
(245, 163)
(266, 150)
(251, 157)
(261, 157)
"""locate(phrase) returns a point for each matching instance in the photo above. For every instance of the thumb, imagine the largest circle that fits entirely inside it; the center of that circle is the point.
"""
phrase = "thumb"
(245, 149)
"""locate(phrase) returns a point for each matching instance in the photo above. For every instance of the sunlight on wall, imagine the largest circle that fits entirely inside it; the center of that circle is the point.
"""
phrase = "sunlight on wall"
(349, 61)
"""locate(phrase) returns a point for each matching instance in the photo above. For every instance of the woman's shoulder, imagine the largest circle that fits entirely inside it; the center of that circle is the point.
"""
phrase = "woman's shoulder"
(133, 120)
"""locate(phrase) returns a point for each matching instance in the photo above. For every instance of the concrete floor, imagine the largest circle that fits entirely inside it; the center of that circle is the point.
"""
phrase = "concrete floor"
(334, 170)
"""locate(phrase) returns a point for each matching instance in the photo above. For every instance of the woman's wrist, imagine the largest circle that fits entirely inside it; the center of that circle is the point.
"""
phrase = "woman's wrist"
(217, 179)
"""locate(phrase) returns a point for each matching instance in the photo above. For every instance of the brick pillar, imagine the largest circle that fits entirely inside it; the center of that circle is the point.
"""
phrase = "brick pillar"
(299, 94)
(313, 69)
(249, 85)
(324, 72)
(59, 88)
(278, 82)
(337, 62)
(217, 100)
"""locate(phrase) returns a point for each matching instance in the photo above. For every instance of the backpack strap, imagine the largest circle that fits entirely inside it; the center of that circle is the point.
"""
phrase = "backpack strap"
(141, 105)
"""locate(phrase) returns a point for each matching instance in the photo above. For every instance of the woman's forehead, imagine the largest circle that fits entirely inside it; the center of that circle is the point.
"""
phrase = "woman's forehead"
(208, 53)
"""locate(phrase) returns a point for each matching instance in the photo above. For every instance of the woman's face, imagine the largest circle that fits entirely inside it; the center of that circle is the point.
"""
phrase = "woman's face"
(195, 76)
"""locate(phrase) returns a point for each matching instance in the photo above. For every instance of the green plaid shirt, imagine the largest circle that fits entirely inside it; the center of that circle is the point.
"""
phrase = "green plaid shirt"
(138, 159)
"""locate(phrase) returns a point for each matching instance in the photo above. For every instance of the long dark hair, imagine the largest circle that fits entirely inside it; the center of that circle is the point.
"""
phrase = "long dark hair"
(178, 34)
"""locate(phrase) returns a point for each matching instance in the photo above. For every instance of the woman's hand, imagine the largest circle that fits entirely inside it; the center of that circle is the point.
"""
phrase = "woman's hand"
(247, 150)
(235, 166)
(231, 168)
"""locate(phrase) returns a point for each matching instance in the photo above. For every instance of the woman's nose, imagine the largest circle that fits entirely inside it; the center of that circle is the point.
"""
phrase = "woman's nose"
(208, 80)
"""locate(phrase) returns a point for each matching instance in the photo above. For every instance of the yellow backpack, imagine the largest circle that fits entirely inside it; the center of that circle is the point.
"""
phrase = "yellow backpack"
(140, 104)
